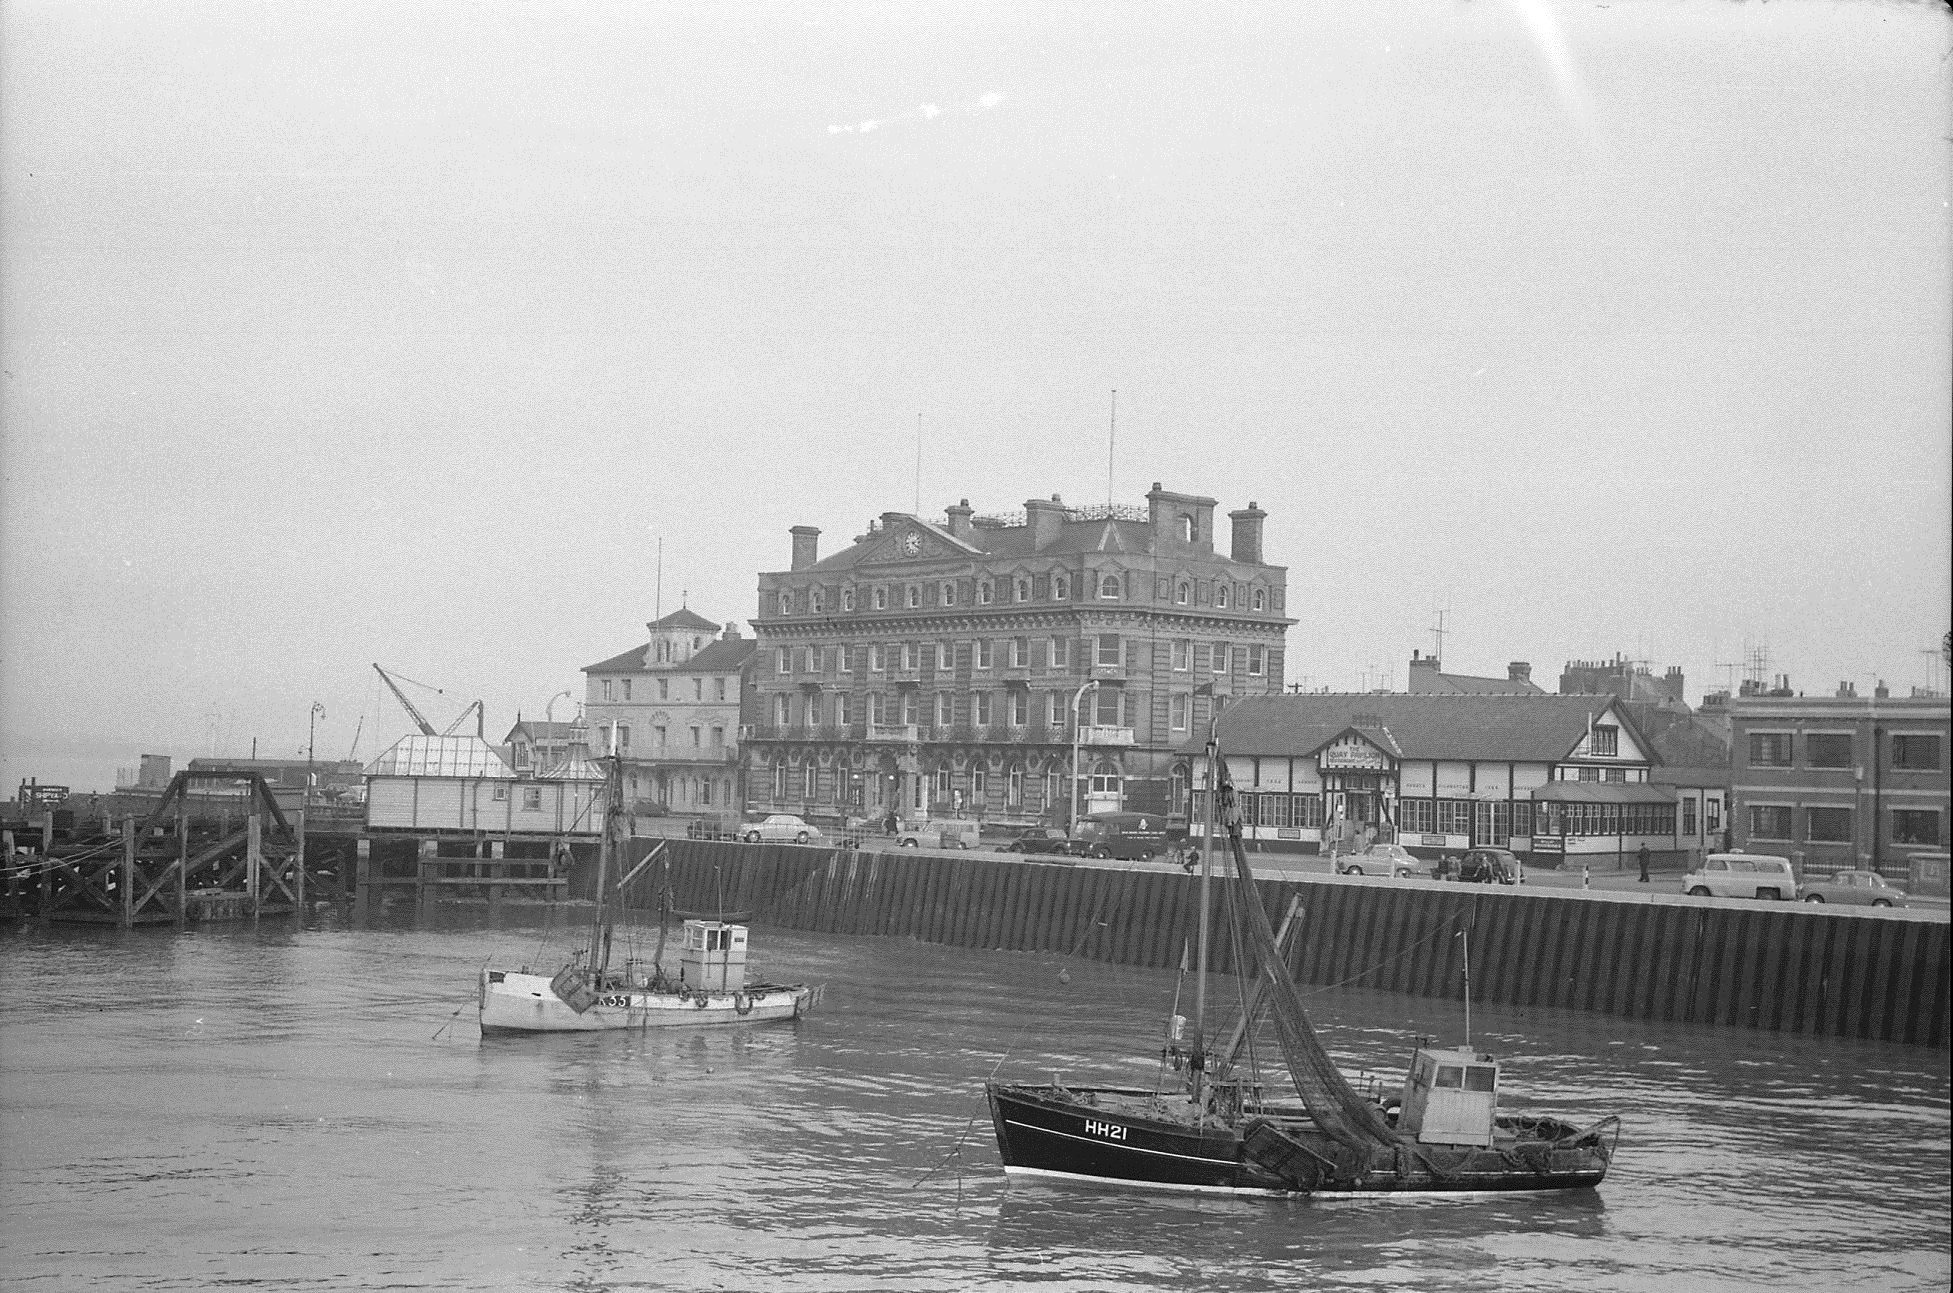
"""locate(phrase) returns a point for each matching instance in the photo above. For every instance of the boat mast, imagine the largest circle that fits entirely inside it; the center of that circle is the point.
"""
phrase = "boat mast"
(1199, 1061)
(613, 793)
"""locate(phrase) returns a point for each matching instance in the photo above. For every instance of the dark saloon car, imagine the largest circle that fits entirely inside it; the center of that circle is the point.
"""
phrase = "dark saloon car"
(1040, 839)
(1489, 866)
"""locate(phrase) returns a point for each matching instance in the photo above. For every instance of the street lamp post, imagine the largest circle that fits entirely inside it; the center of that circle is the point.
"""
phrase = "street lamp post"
(1072, 817)
(311, 735)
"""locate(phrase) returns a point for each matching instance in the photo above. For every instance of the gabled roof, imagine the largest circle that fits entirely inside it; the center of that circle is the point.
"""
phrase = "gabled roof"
(726, 655)
(685, 618)
(538, 730)
(440, 756)
(1424, 725)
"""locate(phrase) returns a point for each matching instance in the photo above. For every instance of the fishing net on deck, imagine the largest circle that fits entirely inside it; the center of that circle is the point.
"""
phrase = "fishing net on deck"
(1335, 1105)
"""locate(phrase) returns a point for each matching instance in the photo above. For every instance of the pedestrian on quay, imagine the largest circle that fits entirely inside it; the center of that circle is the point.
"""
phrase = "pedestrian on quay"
(1641, 855)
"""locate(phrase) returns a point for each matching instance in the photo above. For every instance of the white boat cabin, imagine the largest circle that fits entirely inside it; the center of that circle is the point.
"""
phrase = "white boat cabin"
(713, 955)
(1451, 1097)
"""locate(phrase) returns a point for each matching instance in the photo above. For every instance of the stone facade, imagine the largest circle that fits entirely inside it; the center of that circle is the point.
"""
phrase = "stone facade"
(676, 703)
(932, 666)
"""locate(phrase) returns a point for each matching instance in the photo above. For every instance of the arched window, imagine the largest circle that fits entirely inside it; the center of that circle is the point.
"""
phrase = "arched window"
(786, 602)
(949, 592)
(847, 599)
(1187, 531)
(881, 599)
(1261, 600)
(985, 592)
(809, 782)
(1220, 593)
(915, 596)
(1182, 591)
(1061, 588)
(1023, 589)
(1108, 586)
(816, 602)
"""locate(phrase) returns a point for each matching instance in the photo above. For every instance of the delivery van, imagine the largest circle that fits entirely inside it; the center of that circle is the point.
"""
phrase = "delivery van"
(1120, 835)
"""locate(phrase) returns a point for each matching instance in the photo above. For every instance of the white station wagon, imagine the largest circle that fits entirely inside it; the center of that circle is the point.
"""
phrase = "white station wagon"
(1742, 875)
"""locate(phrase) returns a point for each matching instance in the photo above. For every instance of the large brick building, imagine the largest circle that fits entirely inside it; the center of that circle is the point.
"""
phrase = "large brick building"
(1840, 781)
(931, 667)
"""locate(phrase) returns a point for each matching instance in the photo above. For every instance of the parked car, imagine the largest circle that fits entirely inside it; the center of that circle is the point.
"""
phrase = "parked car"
(1488, 866)
(1862, 888)
(1742, 875)
(1379, 859)
(1040, 839)
(1119, 835)
(944, 833)
(783, 826)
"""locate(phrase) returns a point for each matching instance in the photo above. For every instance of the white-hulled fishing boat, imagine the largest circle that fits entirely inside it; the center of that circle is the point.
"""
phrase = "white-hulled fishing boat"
(587, 996)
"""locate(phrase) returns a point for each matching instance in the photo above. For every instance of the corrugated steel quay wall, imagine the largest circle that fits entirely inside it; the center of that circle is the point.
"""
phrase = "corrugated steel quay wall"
(1780, 966)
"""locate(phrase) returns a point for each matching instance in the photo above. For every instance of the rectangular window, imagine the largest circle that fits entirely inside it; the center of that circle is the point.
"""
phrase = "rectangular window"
(623, 737)
(658, 739)
(877, 709)
(945, 657)
(810, 781)
(945, 709)
(1916, 826)
(1109, 649)
(1014, 789)
(1915, 753)
(979, 783)
(981, 707)
(1177, 713)
(664, 689)
(1828, 825)
(1770, 750)
(985, 653)
(1182, 655)
(843, 661)
(606, 688)
(877, 657)
(1606, 743)
(1217, 657)
(1828, 750)
(1020, 707)
(1111, 706)
(780, 715)
(722, 688)
(784, 658)
(1054, 709)
(911, 656)
(1712, 814)
(1688, 816)
(532, 799)
(1061, 653)
(718, 738)
(1254, 661)
(1769, 821)
(698, 737)
(942, 782)
(501, 794)
(844, 709)
(1020, 653)
(911, 707)
(810, 662)
(627, 689)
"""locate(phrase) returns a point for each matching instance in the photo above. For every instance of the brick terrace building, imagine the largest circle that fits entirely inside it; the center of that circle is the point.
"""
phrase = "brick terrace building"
(1838, 781)
(932, 667)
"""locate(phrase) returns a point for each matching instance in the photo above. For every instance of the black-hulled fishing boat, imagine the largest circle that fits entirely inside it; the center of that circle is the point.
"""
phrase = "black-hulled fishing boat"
(1216, 1128)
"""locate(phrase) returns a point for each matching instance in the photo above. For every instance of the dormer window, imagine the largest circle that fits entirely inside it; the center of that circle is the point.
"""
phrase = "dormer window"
(1261, 600)
(786, 602)
(1221, 594)
(816, 602)
(1109, 586)
(1182, 591)
(1061, 588)
(1023, 587)
(881, 599)
(985, 592)
(915, 596)
(847, 599)
(948, 592)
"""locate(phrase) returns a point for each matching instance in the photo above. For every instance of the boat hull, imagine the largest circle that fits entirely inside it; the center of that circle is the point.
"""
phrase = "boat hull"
(1093, 1135)
(525, 1003)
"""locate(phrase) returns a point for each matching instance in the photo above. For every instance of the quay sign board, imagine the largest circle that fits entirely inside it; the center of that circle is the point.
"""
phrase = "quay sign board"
(42, 796)
(1353, 752)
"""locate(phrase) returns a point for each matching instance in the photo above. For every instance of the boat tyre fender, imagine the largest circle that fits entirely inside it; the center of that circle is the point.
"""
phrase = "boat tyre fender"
(741, 1003)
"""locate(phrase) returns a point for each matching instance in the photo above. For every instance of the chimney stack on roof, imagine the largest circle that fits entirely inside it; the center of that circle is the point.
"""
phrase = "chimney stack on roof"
(959, 520)
(1519, 671)
(1247, 534)
(1046, 517)
(806, 545)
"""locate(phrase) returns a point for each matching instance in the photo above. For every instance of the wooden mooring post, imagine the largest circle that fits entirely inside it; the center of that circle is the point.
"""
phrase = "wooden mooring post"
(298, 878)
(362, 878)
(126, 882)
(253, 860)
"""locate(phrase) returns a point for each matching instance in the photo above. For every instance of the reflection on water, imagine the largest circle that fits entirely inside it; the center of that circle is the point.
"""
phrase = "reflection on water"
(302, 1107)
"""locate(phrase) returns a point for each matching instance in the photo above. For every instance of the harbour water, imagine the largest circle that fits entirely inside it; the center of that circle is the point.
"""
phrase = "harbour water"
(312, 1108)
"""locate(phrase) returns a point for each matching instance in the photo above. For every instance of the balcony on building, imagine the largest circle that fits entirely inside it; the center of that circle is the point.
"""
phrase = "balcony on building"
(1097, 734)
(1109, 672)
(892, 732)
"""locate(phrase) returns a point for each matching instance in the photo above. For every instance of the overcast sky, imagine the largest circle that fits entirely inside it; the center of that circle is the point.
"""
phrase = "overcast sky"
(343, 333)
